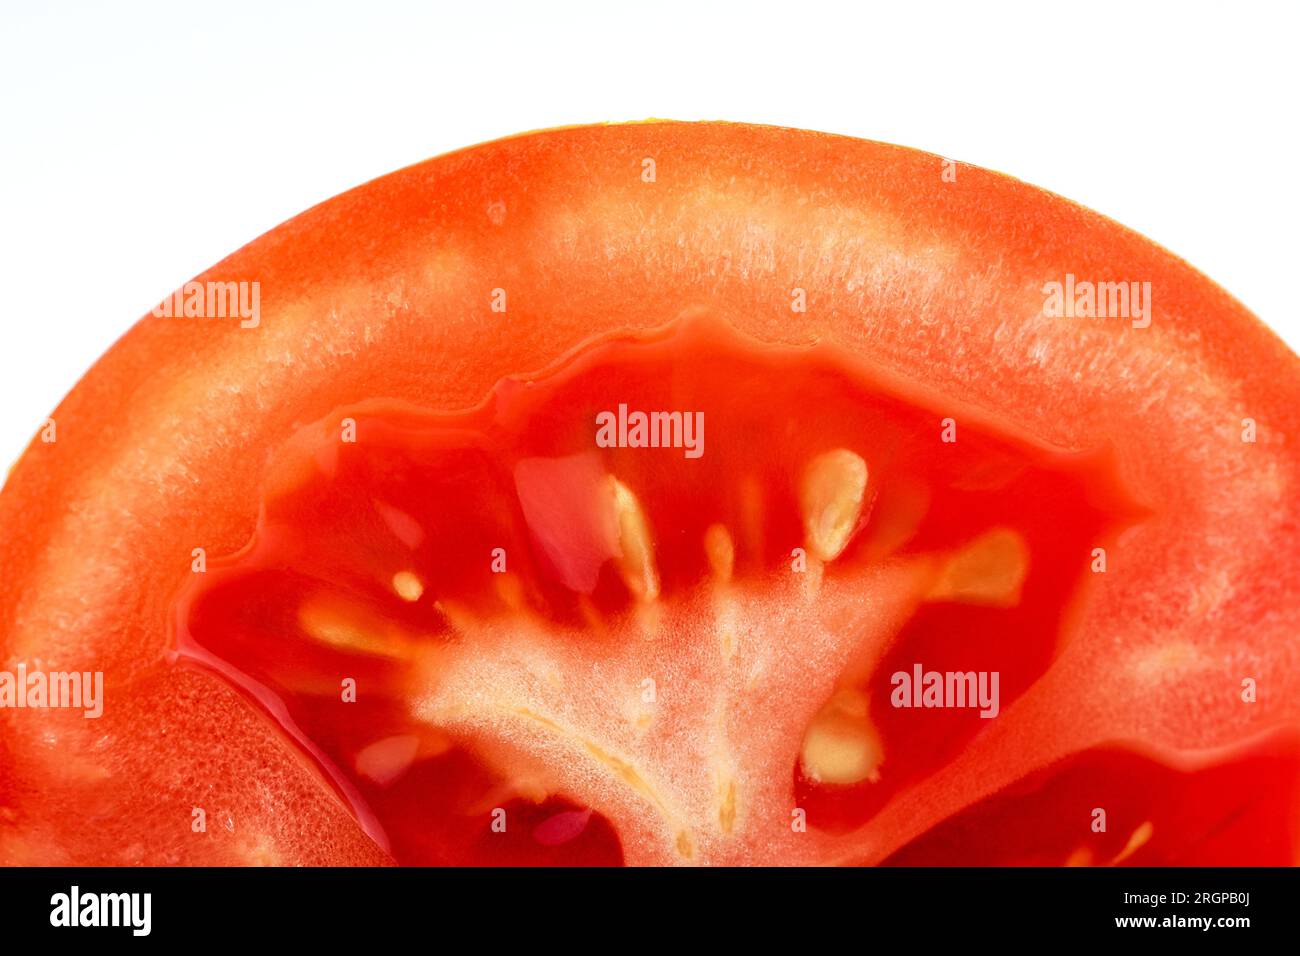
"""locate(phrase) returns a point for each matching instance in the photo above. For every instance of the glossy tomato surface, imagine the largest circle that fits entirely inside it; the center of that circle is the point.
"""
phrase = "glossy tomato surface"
(669, 493)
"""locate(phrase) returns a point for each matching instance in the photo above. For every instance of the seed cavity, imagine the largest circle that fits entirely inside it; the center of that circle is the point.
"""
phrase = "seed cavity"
(831, 496)
(990, 570)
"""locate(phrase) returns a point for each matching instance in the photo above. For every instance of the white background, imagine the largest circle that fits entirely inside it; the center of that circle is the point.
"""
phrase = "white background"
(142, 142)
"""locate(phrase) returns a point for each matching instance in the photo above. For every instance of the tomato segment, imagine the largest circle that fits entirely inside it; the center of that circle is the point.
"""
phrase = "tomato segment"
(508, 613)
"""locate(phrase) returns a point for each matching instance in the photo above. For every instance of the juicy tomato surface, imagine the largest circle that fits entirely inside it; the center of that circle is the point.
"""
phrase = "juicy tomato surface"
(669, 493)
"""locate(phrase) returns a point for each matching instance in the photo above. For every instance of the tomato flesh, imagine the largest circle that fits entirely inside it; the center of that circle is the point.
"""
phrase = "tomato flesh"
(1139, 812)
(397, 543)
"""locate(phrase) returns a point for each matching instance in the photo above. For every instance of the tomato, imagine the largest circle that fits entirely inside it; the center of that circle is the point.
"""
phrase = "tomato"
(668, 493)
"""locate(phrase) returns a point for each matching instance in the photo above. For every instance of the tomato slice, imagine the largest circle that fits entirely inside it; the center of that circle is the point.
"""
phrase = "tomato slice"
(752, 513)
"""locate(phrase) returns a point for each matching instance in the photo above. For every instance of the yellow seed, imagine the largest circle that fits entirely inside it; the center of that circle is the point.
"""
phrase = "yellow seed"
(727, 809)
(1138, 840)
(517, 785)
(333, 622)
(842, 753)
(720, 551)
(1082, 856)
(531, 789)
(636, 559)
(989, 570)
(831, 495)
(841, 746)
(407, 585)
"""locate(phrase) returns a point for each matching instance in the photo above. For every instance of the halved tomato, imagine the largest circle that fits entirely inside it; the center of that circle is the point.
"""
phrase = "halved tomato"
(668, 493)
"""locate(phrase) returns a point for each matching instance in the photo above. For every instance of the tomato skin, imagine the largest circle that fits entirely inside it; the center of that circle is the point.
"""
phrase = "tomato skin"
(387, 291)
